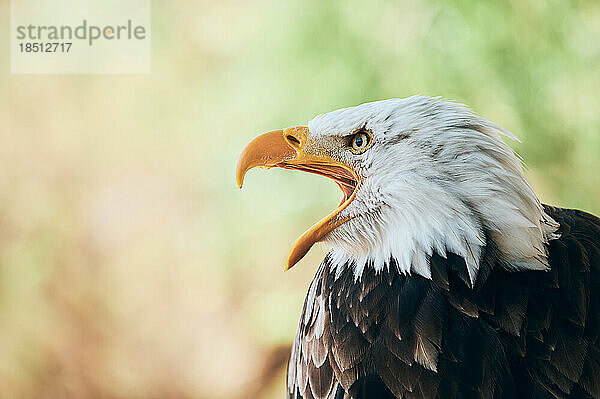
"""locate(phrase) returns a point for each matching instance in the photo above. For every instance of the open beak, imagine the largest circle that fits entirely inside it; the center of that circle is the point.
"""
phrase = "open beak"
(289, 149)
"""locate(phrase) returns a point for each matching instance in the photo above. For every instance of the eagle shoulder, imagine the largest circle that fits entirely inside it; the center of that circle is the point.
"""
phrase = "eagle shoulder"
(514, 333)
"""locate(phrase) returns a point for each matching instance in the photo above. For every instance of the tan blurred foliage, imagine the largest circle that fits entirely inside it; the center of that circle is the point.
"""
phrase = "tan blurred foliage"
(130, 265)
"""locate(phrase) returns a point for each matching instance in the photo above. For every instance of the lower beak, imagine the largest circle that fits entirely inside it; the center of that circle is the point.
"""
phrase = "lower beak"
(288, 149)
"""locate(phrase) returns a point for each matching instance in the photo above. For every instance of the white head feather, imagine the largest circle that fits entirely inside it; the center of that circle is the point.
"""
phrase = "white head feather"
(437, 178)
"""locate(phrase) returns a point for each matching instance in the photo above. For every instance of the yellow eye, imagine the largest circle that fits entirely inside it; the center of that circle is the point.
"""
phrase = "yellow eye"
(360, 141)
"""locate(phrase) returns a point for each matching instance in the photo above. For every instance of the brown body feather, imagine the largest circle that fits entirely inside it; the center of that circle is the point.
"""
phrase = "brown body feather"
(527, 334)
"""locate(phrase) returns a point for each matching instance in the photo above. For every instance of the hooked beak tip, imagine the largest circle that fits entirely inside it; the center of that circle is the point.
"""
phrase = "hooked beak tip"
(240, 182)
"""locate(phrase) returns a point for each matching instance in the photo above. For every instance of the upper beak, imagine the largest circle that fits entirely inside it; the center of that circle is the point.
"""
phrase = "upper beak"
(290, 149)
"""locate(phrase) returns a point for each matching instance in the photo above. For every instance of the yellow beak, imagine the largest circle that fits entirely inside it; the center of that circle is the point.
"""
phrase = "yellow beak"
(290, 149)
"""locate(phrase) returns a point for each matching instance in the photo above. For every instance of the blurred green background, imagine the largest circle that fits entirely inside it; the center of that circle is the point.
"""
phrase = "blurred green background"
(132, 267)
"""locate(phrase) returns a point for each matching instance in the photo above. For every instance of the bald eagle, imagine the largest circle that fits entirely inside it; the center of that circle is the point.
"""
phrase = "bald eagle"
(445, 277)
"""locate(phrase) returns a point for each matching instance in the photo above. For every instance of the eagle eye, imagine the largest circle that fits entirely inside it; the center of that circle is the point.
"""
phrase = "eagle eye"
(360, 141)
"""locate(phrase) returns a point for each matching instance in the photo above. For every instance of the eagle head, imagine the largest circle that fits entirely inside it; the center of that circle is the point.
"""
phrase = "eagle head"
(419, 176)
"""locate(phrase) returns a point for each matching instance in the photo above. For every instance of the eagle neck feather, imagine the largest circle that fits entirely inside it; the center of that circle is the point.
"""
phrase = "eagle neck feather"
(464, 186)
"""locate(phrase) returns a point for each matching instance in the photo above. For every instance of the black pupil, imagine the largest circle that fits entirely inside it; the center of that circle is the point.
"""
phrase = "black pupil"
(358, 141)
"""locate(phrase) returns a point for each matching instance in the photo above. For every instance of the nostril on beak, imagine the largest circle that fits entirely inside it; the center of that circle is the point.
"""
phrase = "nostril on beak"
(292, 140)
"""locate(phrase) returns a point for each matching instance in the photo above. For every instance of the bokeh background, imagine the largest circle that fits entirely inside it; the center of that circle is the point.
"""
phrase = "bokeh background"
(132, 267)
